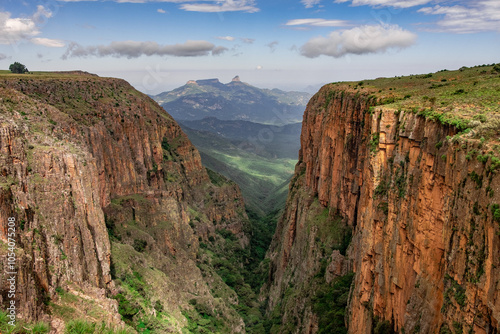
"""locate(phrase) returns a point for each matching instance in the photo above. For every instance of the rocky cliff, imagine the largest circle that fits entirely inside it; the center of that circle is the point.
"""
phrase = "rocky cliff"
(409, 168)
(111, 203)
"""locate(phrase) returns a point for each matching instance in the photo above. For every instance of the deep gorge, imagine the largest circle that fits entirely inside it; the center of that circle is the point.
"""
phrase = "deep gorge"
(390, 225)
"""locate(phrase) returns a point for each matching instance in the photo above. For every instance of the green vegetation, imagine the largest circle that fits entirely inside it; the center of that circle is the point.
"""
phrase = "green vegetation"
(242, 269)
(139, 245)
(330, 303)
(80, 326)
(454, 290)
(18, 68)
(383, 327)
(21, 327)
(374, 142)
(263, 180)
(203, 320)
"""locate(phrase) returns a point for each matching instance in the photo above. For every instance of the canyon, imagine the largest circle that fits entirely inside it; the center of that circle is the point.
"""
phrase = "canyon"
(391, 222)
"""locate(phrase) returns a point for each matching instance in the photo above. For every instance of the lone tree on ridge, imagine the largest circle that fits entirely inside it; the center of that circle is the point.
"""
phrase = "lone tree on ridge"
(18, 68)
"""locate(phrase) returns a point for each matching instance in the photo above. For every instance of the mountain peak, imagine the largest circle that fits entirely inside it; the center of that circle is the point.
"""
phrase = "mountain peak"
(236, 79)
(191, 82)
(208, 82)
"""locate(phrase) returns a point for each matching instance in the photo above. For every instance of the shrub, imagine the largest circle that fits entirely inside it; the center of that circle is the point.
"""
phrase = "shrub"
(382, 188)
(158, 306)
(79, 327)
(139, 245)
(126, 308)
(374, 142)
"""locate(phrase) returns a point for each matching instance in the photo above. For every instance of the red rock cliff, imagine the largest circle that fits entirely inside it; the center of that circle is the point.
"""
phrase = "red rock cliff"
(74, 148)
(425, 242)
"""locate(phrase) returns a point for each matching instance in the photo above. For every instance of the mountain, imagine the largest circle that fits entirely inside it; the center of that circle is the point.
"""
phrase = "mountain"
(116, 225)
(259, 157)
(235, 100)
(392, 220)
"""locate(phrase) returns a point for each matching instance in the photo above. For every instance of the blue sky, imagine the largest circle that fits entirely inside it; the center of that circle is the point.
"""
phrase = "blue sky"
(288, 44)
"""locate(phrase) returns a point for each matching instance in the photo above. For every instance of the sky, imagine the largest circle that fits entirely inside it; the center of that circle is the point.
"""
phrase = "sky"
(158, 45)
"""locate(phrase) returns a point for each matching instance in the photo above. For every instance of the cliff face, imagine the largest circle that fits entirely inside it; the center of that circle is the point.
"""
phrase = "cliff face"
(421, 202)
(86, 160)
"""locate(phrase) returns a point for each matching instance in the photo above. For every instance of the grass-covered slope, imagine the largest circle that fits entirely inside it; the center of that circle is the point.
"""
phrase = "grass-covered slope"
(262, 178)
(465, 98)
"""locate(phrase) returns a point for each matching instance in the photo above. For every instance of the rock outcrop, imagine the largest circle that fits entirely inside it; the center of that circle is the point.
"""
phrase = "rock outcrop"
(86, 160)
(421, 201)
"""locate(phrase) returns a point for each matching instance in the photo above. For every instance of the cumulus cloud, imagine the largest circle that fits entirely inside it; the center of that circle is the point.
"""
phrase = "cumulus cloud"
(387, 3)
(13, 30)
(476, 17)
(222, 6)
(310, 3)
(2, 56)
(317, 23)
(259, 67)
(226, 38)
(52, 43)
(359, 40)
(135, 49)
(161, 11)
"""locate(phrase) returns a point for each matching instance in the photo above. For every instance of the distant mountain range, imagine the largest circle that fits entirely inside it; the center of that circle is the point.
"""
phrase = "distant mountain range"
(235, 100)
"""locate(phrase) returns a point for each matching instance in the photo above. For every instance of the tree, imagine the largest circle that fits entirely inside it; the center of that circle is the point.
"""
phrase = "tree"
(18, 68)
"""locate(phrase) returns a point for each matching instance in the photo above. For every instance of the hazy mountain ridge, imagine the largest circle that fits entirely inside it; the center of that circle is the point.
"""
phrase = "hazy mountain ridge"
(235, 100)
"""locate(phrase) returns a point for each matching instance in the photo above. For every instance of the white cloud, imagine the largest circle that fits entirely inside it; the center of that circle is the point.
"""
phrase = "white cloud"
(317, 23)
(13, 30)
(41, 15)
(259, 67)
(2, 56)
(208, 6)
(387, 3)
(161, 11)
(359, 40)
(310, 3)
(135, 49)
(226, 38)
(52, 43)
(477, 17)
(222, 6)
